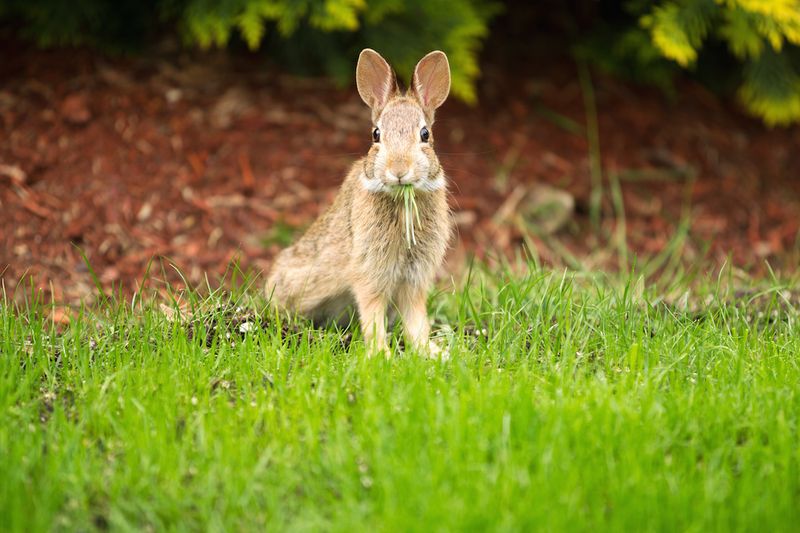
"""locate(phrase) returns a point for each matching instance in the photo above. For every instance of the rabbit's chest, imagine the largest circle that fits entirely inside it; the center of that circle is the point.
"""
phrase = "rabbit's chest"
(406, 263)
(394, 257)
(384, 249)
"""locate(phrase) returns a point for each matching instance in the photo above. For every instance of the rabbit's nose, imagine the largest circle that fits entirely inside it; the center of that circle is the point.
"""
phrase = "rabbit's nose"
(399, 168)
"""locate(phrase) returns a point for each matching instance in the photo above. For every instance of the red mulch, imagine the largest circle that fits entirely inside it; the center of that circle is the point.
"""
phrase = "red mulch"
(196, 157)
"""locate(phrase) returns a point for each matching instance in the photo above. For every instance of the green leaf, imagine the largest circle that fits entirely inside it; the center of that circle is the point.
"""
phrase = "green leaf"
(678, 30)
(251, 26)
(741, 32)
(771, 89)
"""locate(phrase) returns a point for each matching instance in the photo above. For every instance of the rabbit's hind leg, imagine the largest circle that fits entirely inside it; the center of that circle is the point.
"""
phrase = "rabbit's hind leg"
(304, 290)
(337, 310)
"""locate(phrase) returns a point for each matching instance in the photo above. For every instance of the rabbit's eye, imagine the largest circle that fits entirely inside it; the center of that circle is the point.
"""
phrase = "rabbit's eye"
(376, 135)
(424, 134)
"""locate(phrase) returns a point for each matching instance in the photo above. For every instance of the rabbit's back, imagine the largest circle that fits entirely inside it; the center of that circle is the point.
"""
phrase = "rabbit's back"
(313, 271)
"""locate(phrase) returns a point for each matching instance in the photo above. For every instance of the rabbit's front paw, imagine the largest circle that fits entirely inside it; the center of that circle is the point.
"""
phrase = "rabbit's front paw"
(374, 349)
(433, 351)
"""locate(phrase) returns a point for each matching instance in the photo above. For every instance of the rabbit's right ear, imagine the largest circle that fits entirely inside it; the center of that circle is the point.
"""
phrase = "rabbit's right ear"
(431, 81)
(375, 79)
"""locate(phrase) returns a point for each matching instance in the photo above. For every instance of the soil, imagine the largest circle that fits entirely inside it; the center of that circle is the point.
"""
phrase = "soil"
(203, 160)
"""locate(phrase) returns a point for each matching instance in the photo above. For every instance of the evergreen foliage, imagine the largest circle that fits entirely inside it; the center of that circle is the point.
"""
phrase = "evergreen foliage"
(653, 40)
(763, 35)
(324, 33)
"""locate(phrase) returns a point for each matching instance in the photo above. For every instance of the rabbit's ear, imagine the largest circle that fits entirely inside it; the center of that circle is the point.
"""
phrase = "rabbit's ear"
(375, 79)
(431, 81)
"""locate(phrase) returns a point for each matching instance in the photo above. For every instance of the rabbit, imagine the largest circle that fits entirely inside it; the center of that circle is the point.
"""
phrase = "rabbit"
(356, 252)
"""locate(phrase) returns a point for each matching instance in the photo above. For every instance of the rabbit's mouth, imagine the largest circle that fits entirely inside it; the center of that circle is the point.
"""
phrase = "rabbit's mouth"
(421, 184)
(397, 191)
(391, 179)
(390, 184)
(395, 188)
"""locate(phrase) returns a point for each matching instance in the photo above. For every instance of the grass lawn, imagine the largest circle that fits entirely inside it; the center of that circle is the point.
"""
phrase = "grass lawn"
(588, 404)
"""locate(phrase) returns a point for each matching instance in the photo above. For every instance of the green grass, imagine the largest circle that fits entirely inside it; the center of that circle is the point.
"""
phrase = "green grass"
(587, 405)
(405, 193)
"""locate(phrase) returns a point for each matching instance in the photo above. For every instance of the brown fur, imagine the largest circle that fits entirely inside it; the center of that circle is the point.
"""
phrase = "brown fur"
(356, 251)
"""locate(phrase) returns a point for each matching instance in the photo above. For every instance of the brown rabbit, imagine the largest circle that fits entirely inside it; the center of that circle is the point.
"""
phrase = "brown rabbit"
(356, 251)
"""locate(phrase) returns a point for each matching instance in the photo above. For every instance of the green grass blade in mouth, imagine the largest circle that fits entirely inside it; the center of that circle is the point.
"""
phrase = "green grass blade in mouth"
(410, 212)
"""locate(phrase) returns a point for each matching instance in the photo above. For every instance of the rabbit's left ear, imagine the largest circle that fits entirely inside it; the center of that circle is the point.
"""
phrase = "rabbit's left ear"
(374, 79)
(431, 81)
